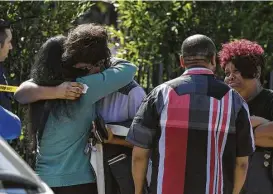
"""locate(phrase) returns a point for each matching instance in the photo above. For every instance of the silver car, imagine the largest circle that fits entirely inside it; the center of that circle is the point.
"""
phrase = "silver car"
(16, 177)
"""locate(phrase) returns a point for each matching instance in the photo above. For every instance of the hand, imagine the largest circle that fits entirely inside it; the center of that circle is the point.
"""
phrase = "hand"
(110, 137)
(69, 90)
(256, 121)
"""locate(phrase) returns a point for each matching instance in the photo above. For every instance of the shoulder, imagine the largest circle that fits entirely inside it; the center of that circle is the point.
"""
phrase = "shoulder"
(267, 93)
(129, 87)
(221, 83)
(115, 61)
(137, 91)
(267, 98)
(162, 88)
(159, 94)
(218, 86)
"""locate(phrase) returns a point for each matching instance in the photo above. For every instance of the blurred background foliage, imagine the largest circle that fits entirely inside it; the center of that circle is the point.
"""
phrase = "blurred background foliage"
(147, 33)
(150, 34)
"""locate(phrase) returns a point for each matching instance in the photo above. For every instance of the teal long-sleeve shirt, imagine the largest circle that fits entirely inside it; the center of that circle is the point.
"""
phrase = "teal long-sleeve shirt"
(60, 159)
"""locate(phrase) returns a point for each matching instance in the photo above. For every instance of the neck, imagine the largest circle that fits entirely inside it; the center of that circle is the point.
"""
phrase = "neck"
(197, 66)
(253, 90)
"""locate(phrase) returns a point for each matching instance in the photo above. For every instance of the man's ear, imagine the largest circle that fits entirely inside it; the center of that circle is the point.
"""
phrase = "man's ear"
(182, 62)
(213, 61)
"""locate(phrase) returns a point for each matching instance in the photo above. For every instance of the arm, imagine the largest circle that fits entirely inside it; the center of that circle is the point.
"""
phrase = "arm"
(256, 121)
(240, 174)
(118, 141)
(10, 124)
(139, 167)
(29, 92)
(244, 147)
(112, 139)
(264, 135)
(110, 80)
(264, 128)
(142, 135)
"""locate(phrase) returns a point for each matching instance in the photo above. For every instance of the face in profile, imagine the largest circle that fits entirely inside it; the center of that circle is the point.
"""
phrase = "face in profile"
(234, 78)
(7, 46)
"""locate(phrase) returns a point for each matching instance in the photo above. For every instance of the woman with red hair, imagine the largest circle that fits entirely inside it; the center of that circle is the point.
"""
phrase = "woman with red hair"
(243, 63)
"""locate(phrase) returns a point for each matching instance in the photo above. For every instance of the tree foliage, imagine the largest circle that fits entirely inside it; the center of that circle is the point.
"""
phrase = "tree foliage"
(33, 22)
(151, 33)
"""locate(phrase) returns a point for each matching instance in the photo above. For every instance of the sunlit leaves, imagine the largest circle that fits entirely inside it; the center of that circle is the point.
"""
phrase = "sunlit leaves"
(152, 32)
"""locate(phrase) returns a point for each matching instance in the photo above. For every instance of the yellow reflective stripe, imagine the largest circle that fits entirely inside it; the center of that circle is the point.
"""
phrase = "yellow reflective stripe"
(7, 88)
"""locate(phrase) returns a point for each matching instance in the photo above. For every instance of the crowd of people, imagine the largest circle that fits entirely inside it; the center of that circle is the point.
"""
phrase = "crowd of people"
(201, 134)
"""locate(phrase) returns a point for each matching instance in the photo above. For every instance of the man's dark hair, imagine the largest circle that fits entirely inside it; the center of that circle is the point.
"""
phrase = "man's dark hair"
(87, 43)
(198, 49)
(3, 26)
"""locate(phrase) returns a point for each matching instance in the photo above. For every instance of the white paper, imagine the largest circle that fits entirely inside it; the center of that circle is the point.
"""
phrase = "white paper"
(85, 88)
(118, 130)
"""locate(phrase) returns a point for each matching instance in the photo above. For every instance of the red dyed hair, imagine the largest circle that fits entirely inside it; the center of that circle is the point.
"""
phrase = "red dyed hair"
(235, 48)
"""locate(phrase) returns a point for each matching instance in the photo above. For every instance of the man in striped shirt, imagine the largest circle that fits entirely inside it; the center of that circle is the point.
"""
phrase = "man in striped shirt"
(197, 127)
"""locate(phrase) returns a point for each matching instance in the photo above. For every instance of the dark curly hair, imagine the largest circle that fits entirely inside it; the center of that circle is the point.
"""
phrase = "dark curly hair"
(55, 62)
(87, 43)
(247, 57)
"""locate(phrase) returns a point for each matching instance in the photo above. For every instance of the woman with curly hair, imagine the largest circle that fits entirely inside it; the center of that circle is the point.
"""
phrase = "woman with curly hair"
(62, 126)
(243, 62)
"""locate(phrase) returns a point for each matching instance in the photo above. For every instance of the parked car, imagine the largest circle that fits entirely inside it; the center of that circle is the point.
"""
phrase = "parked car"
(16, 177)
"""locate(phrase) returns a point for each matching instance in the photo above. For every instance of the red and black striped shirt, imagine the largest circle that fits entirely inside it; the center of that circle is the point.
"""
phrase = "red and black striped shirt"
(196, 126)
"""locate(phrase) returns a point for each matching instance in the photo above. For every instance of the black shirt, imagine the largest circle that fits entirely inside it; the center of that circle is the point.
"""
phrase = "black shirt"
(195, 126)
(262, 105)
(259, 179)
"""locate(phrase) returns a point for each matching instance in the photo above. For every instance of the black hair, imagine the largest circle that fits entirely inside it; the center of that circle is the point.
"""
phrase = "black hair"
(3, 26)
(48, 70)
(198, 48)
(250, 66)
(87, 43)
(247, 56)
